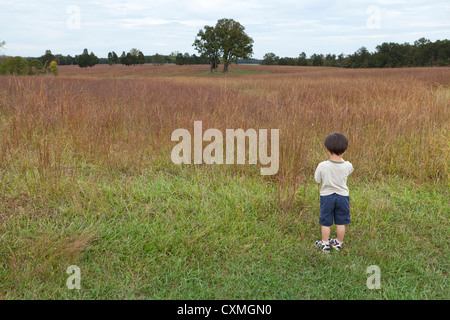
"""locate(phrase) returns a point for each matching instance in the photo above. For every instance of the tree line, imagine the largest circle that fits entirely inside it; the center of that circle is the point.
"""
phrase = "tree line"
(421, 53)
(227, 43)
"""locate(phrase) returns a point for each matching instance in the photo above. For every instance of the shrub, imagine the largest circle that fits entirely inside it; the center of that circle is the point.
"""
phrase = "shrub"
(15, 66)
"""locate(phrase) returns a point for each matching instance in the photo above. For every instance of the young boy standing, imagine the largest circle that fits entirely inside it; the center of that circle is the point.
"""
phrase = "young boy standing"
(334, 194)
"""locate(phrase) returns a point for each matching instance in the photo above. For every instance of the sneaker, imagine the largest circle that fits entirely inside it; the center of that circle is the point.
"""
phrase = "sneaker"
(324, 246)
(336, 244)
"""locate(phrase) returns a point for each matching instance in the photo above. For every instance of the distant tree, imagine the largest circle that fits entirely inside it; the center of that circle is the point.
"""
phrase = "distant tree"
(129, 59)
(422, 52)
(36, 67)
(47, 58)
(270, 59)
(93, 60)
(363, 56)
(233, 42)
(134, 54)
(179, 60)
(2, 44)
(123, 59)
(442, 49)
(157, 60)
(115, 58)
(286, 61)
(187, 58)
(173, 57)
(87, 59)
(302, 60)
(15, 66)
(330, 60)
(83, 59)
(110, 58)
(53, 68)
(317, 60)
(141, 58)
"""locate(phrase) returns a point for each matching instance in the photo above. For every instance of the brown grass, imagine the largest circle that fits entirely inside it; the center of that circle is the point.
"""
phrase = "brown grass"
(122, 117)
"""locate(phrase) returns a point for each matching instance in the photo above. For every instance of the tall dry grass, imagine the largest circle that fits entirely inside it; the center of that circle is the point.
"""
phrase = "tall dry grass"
(122, 118)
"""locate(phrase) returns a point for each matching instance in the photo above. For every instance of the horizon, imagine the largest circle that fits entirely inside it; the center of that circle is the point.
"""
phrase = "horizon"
(285, 28)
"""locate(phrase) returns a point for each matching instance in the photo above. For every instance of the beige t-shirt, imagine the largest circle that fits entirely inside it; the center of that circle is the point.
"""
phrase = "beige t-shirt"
(333, 177)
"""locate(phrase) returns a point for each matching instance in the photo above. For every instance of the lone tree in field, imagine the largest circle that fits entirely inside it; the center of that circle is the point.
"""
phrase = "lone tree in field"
(227, 39)
(207, 45)
(233, 41)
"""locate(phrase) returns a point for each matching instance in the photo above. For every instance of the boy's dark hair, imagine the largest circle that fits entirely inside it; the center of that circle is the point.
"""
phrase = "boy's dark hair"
(336, 143)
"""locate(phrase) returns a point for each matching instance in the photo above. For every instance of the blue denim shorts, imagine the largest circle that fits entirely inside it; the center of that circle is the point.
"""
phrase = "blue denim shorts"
(334, 207)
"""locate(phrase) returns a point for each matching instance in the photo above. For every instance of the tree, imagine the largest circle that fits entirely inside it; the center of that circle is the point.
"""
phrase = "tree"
(173, 56)
(47, 58)
(15, 65)
(134, 54)
(141, 58)
(129, 59)
(302, 61)
(115, 58)
(93, 60)
(207, 44)
(233, 42)
(422, 52)
(110, 58)
(53, 68)
(83, 59)
(36, 67)
(227, 39)
(270, 59)
(87, 60)
(124, 59)
(2, 44)
(158, 60)
(317, 60)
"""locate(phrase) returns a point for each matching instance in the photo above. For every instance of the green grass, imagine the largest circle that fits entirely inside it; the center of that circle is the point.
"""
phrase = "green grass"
(203, 233)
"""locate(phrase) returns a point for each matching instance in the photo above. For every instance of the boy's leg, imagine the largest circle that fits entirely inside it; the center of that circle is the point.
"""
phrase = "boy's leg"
(342, 218)
(325, 234)
(340, 230)
(327, 205)
(326, 221)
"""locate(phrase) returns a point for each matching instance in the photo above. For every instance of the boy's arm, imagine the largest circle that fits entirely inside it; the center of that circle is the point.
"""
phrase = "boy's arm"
(318, 175)
(351, 169)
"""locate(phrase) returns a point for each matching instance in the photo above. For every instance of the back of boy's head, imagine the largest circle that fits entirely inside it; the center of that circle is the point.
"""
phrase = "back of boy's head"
(336, 143)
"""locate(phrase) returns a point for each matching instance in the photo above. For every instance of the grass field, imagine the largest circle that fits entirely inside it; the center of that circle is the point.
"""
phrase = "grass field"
(86, 179)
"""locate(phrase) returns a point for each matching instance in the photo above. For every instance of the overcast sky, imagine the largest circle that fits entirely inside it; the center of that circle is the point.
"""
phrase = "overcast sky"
(285, 27)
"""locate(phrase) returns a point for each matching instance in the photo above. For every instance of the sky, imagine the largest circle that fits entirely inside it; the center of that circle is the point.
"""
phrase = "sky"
(284, 27)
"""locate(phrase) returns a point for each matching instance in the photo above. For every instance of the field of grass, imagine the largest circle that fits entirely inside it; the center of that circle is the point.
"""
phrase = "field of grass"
(86, 179)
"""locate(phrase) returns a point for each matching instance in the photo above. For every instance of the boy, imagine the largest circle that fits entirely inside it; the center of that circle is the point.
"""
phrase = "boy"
(334, 194)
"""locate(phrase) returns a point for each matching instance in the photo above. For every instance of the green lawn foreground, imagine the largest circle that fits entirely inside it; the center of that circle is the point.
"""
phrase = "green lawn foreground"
(200, 233)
